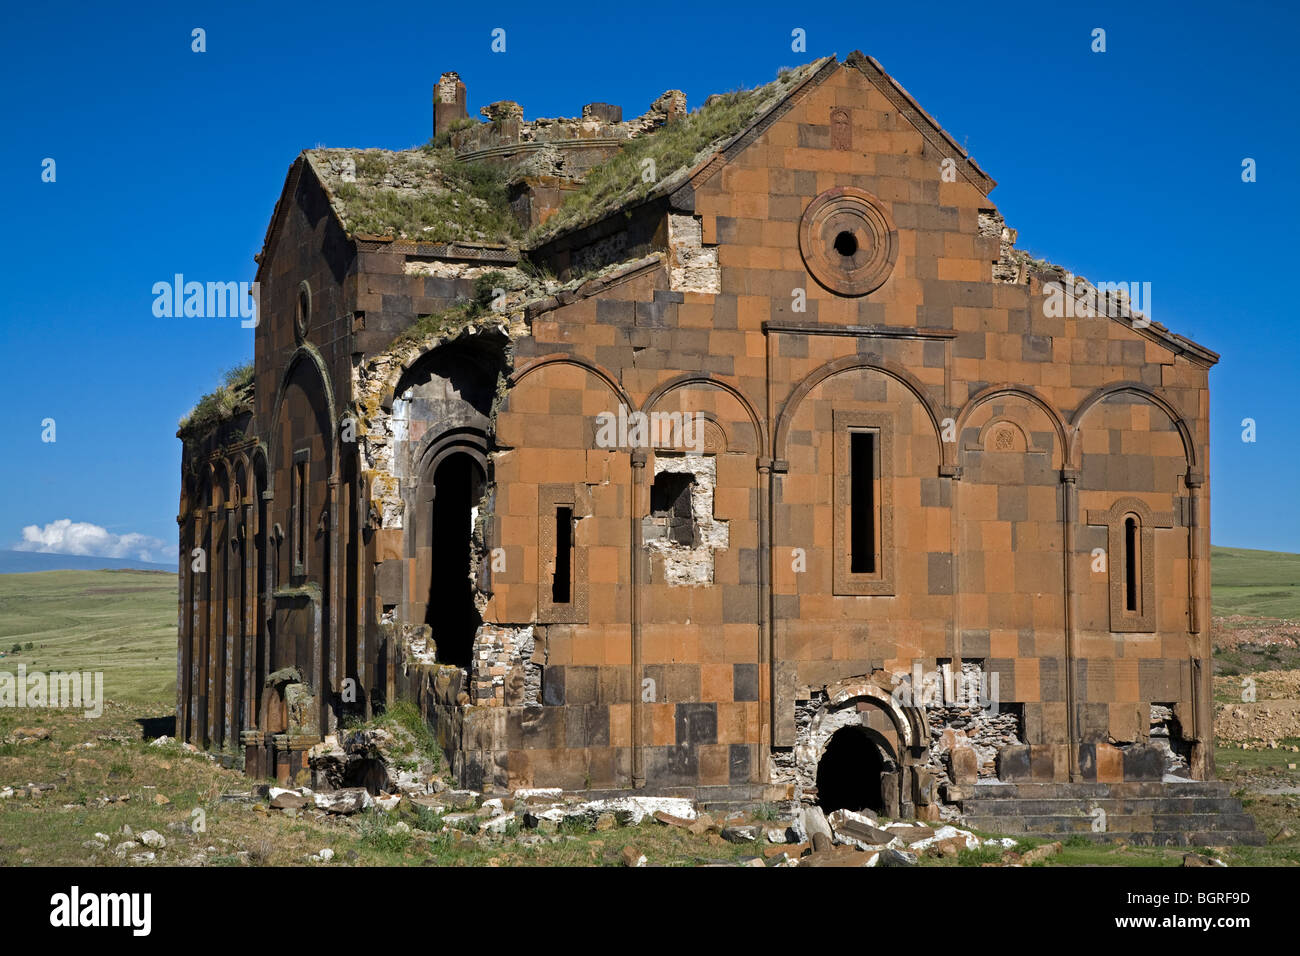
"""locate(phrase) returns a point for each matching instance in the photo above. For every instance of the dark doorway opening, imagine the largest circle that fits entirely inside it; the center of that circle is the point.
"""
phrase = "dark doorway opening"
(850, 773)
(457, 488)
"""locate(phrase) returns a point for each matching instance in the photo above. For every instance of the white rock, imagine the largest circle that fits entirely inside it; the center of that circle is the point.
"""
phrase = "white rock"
(326, 855)
(946, 833)
(152, 838)
(497, 824)
(554, 793)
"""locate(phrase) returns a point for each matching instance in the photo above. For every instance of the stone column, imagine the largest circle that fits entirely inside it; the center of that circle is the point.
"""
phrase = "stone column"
(766, 649)
(1070, 512)
(634, 586)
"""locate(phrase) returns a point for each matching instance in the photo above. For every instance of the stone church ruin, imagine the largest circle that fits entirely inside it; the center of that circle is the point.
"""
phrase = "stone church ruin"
(917, 545)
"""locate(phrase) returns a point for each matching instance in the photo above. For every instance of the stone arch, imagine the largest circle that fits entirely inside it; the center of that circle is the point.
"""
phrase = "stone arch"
(1151, 395)
(902, 738)
(704, 379)
(241, 474)
(1029, 395)
(309, 355)
(218, 490)
(433, 448)
(848, 363)
(563, 358)
(436, 582)
(468, 365)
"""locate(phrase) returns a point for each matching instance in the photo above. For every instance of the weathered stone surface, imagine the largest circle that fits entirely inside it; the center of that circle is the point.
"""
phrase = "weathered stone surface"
(853, 828)
(818, 830)
(344, 802)
(282, 799)
(889, 856)
(741, 834)
(839, 856)
(1040, 853)
(483, 324)
(631, 856)
(965, 765)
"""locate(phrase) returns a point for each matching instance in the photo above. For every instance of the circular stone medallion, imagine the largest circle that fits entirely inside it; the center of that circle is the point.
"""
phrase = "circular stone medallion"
(848, 241)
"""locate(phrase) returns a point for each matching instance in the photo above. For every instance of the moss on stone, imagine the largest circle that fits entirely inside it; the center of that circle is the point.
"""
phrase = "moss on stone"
(221, 404)
(674, 149)
(423, 194)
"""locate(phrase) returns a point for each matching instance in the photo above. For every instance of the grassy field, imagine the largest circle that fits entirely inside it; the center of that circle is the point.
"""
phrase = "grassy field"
(107, 775)
(1255, 583)
(122, 623)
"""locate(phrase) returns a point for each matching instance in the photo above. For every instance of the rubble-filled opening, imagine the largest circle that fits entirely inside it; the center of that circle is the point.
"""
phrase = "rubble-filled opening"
(368, 772)
(1167, 735)
(850, 772)
(452, 614)
(670, 504)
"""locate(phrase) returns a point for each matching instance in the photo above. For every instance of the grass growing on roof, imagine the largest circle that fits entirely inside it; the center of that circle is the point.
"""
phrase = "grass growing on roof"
(220, 403)
(425, 194)
(679, 145)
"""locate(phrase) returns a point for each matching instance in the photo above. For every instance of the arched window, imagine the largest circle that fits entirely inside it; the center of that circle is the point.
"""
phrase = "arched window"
(1131, 561)
(1132, 565)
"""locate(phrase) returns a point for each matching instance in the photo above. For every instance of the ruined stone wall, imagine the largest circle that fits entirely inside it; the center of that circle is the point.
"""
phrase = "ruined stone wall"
(828, 279)
(989, 488)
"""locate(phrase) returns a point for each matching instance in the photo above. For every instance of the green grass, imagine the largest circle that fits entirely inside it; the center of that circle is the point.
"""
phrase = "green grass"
(1255, 583)
(235, 390)
(121, 623)
(619, 180)
(425, 194)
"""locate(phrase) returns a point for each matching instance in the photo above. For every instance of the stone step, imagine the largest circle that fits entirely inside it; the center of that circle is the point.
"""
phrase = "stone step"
(1117, 807)
(1043, 791)
(1076, 823)
(1156, 838)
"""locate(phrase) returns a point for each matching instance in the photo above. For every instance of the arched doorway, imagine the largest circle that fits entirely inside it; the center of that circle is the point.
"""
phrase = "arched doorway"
(855, 773)
(451, 613)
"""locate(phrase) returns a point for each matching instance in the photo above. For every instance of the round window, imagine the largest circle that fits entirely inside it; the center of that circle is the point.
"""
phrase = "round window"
(302, 316)
(848, 241)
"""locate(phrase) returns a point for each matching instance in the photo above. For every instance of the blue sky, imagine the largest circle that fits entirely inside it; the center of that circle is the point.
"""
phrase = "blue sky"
(1123, 165)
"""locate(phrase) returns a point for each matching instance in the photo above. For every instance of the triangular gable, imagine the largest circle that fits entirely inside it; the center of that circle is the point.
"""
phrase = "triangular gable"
(281, 209)
(924, 123)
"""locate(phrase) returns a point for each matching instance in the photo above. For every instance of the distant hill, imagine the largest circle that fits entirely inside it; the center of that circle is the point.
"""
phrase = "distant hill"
(1255, 583)
(25, 562)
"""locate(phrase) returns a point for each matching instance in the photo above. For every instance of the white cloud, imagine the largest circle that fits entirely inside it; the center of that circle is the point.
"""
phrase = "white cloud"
(66, 536)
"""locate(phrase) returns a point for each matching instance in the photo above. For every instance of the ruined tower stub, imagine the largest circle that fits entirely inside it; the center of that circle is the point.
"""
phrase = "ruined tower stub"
(448, 101)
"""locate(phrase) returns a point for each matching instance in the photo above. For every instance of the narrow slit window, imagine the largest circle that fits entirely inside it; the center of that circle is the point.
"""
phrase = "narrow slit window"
(300, 512)
(863, 503)
(562, 582)
(1132, 566)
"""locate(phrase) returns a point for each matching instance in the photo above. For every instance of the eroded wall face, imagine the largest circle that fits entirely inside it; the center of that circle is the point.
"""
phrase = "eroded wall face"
(900, 464)
(993, 449)
(280, 592)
